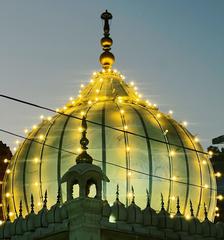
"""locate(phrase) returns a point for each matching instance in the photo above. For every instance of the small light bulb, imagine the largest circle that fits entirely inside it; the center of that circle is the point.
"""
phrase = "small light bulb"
(41, 137)
(210, 153)
(7, 194)
(132, 83)
(185, 123)
(158, 115)
(49, 118)
(128, 149)
(220, 197)
(6, 160)
(41, 117)
(216, 209)
(25, 130)
(129, 174)
(129, 194)
(82, 86)
(174, 178)
(204, 162)
(1, 222)
(218, 174)
(206, 186)
(171, 215)
(71, 98)
(8, 171)
(34, 126)
(172, 153)
(196, 139)
(173, 198)
(187, 217)
(125, 127)
(122, 111)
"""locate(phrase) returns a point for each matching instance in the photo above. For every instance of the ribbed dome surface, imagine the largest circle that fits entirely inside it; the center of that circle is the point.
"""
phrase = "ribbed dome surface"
(130, 143)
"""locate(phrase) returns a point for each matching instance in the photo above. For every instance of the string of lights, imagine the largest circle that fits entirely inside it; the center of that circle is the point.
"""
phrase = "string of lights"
(100, 124)
(109, 163)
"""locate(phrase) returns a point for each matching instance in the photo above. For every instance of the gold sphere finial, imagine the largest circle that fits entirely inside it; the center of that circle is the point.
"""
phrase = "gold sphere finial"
(107, 59)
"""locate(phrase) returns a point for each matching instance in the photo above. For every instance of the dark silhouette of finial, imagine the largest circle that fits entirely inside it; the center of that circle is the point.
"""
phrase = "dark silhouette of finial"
(45, 200)
(117, 193)
(32, 204)
(133, 194)
(106, 16)
(20, 209)
(191, 209)
(8, 214)
(84, 157)
(59, 195)
(205, 212)
(178, 204)
(148, 197)
(106, 58)
(162, 202)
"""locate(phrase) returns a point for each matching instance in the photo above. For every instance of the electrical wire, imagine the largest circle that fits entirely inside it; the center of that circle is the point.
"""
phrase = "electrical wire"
(96, 123)
(109, 163)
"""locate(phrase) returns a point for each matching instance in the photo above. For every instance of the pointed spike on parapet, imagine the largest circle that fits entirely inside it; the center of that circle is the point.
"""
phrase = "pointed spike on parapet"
(8, 214)
(59, 195)
(162, 202)
(117, 193)
(45, 200)
(133, 194)
(148, 197)
(191, 209)
(178, 204)
(32, 204)
(20, 209)
(205, 212)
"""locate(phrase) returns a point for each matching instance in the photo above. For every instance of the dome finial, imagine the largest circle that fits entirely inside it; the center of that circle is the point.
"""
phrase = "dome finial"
(84, 157)
(106, 58)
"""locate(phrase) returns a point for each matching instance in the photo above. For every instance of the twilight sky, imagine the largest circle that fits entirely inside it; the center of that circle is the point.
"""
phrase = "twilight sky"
(173, 50)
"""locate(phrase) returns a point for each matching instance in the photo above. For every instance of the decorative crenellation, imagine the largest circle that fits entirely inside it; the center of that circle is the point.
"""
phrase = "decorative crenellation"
(130, 219)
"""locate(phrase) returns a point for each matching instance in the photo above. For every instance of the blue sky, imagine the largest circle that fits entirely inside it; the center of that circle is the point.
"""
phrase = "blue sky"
(172, 49)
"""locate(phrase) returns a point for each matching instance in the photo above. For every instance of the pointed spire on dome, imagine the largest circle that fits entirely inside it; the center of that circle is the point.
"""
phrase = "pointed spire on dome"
(106, 58)
(20, 209)
(32, 204)
(191, 209)
(84, 157)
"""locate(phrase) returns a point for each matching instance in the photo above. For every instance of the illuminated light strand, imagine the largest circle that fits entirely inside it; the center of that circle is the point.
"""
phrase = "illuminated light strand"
(92, 122)
(109, 163)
